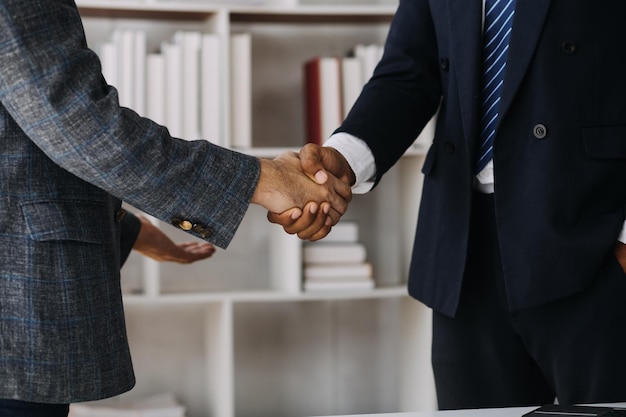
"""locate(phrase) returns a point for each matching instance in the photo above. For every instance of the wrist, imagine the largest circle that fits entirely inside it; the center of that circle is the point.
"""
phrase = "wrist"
(263, 191)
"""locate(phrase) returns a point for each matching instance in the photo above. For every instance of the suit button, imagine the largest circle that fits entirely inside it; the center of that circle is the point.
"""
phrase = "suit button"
(448, 147)
(444, 64)
(568, 47)
(182, 224)
(540, 131)
(119, 216)
(202, 230)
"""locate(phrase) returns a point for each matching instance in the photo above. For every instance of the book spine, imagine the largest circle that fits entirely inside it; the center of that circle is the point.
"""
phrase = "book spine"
(155, 80)
(211, 96)
(241, 90)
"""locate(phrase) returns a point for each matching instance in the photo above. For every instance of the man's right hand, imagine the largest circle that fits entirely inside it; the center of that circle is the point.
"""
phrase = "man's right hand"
(317, 161)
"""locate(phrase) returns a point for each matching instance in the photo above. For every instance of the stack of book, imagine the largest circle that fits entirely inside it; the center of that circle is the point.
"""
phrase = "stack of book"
(332, 85)
(337, 262)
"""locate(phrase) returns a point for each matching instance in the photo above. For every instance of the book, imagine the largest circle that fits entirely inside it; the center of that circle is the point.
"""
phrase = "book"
(109, 60)
(241, 90)
(343, 232)
(173, 92)
(337, 271)
(369, 55)
(125, 41)
(139, 72)
(190, 47)
(323, 103)
(326, 285)
(211, 96)
(351, 82)
(327, 253)
(155, 88)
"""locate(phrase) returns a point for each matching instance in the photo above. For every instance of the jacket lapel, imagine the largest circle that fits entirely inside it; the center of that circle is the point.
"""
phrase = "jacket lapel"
(465, 37)
(529, 18)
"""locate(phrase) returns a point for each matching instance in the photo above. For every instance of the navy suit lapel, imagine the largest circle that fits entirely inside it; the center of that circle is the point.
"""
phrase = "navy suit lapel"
(465, 37)
(529, 18)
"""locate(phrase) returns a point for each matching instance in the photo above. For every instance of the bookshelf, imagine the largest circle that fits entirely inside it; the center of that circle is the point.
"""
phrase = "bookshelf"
(236, 335)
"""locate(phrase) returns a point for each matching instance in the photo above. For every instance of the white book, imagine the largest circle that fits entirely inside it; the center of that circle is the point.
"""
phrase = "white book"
(212, 94)
(108, 59)
(369, 56)
(343, 232)
(329, 253)
(139, 72)
(173, 92)
(241, 90)
(330, 95)
(190, 43)
(341, 271)
(325, 285)
(125, 40)
(155, 88)
(351, 82)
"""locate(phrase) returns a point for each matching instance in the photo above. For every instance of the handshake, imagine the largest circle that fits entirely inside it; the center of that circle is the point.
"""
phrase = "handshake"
(305, 192)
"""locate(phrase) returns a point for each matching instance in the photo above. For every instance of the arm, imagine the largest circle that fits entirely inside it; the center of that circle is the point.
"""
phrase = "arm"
(138, 233)
(52, 86)
(391, 110)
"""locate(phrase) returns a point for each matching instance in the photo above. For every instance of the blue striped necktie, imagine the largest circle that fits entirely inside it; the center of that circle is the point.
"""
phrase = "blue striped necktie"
(497, 31)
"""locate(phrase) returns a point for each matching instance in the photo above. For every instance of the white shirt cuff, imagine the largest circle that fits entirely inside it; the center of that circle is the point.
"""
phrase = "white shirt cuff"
(622, 236)
(359, 157)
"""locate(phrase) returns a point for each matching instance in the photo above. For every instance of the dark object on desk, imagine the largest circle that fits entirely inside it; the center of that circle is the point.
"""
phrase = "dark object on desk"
(554, 410)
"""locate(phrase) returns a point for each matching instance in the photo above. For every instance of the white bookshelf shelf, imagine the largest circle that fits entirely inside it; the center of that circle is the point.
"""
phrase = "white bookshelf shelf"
(173, 10)
(264, 296)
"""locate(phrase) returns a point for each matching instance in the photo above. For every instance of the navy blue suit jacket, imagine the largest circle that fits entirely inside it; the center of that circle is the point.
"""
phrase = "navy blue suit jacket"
(560, 150)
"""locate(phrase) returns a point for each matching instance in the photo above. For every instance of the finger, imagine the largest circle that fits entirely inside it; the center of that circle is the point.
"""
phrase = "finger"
(317, 221)
(308, 218)
(333, 217)
(286, 218)
(320, 234)
(311, 160)
(338, 202)
(341, 188)
(197, 250)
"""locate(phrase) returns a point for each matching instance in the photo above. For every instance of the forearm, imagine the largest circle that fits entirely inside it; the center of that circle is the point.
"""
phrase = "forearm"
(52, 86)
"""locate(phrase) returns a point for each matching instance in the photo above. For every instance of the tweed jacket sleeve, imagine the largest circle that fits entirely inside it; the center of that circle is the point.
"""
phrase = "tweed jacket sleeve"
(52, 87)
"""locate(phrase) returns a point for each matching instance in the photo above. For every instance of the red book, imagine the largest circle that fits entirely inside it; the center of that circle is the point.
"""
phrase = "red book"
(323, 103)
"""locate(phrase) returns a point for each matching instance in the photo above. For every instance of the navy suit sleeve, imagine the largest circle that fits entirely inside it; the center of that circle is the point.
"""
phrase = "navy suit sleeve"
(405, 90)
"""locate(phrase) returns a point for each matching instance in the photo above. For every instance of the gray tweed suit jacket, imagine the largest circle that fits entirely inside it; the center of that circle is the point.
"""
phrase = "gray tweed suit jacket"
(69, 154)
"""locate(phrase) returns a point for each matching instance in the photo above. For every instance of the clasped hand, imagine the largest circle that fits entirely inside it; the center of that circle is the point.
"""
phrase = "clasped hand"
(315, 191)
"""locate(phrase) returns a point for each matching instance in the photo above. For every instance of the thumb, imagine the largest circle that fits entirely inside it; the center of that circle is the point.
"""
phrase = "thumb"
(311, 160)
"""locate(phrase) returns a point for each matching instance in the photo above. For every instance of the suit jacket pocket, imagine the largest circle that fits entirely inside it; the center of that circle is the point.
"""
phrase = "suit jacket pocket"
(81, 221)
(605, 141)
